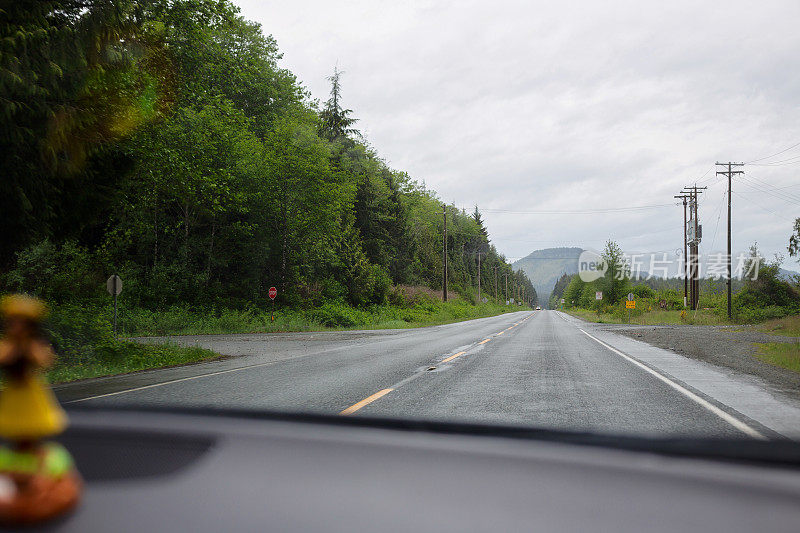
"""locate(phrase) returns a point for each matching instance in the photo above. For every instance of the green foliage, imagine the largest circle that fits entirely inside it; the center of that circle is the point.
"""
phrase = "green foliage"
(418, 310)
(643, 291)
(672, 298)
(558, 290)
(336, 315)
(163, 142)
(336, 122)
(573, 292)
(615, 282)
(767, 296)
(782, 354)
(587, 299)
(794, 239)
(66, 272)
(80, 335)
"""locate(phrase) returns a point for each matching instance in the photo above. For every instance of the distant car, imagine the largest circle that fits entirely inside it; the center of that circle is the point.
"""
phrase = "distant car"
(538, 308)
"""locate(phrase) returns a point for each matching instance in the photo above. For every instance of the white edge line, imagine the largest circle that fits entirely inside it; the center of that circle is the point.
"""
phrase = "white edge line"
(733, 421)
(169, 382)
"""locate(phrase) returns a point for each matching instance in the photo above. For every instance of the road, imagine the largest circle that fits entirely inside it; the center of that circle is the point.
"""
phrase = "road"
(539, 368)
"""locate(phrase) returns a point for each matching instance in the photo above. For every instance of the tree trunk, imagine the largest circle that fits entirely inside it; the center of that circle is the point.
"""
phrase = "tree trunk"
(211, 247)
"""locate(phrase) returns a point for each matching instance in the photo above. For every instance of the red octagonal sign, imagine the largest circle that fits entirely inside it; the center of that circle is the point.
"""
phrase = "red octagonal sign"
(273, 292)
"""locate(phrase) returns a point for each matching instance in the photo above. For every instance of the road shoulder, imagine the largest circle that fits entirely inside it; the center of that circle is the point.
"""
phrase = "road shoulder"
(750, 396)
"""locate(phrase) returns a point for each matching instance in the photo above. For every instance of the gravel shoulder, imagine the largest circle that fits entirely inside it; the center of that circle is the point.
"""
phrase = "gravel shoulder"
(726, 346)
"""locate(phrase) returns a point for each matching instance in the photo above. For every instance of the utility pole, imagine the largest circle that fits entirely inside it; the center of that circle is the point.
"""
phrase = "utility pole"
(506, 293)
(685, 255)
(444, 254)
(495, 283)
(694, 237)
(730, 172)
(479, 277)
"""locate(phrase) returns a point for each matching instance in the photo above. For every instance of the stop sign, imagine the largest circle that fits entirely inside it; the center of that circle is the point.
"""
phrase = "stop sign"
(273, 292)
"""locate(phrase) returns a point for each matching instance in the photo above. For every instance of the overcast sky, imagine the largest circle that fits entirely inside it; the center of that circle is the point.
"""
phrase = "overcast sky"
(525, 106)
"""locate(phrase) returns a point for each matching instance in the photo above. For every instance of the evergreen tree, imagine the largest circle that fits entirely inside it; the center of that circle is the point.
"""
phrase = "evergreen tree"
(336, 122)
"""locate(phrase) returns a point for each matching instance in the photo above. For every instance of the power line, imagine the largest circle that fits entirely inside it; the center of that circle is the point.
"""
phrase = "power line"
(790, 161)
(755, 189)
(772, 187)
(719, 216)
(768, 210)
(773, 155)
(753, 185)
(578, 211)
(700, 180)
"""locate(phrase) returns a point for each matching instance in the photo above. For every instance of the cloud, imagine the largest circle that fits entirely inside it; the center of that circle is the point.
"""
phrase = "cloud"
(567, 105)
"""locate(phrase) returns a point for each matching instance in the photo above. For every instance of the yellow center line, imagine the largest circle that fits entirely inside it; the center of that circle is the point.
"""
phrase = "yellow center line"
(383, 392)
(366, 401)
(459, 354)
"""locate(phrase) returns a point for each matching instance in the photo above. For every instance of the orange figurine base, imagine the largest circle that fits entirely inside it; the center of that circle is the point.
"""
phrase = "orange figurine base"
(38, 485)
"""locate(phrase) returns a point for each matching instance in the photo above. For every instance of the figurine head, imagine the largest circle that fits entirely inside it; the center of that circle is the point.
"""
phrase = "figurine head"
(21, 314)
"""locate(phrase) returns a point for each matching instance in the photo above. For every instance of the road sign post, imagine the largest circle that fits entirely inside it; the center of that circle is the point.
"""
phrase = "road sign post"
(273, 292)
(630, 304)
(114, 287)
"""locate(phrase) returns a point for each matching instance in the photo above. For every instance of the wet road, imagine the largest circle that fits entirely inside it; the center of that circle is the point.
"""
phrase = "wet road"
(540, 368)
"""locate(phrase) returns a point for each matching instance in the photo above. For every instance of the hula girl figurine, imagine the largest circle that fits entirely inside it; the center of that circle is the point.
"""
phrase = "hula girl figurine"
(38, 480)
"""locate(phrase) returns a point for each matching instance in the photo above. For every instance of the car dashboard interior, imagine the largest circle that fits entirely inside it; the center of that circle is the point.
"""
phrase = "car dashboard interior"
(196, 470)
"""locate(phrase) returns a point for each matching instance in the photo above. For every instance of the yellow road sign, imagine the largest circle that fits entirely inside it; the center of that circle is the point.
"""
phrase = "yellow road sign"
(630, 304)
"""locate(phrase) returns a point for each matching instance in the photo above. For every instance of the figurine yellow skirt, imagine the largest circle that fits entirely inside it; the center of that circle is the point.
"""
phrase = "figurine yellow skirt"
(29, 410)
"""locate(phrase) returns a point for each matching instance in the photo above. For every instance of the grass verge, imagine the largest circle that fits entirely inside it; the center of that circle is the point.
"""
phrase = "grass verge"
(131, 357)
(789, 326)
(86, 346)
(782, 354)
(327, 317)
(652, 318)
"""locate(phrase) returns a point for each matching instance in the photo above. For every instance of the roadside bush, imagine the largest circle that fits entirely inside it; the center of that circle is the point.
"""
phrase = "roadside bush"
(643, 291)
(573, 292)
(80, 335)
(752, 315)
(336, 315)
(64, 273)
(673, 299)
(332, 289)
(766, 297)
(587, 299)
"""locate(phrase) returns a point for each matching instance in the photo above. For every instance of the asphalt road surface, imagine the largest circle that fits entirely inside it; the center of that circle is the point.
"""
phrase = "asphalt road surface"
(538, 368)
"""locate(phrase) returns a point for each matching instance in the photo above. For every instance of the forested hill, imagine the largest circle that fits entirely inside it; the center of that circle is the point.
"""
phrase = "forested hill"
(544, 267)
(163, 141)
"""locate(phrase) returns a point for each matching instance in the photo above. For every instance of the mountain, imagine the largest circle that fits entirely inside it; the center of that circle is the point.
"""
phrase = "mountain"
(544, 267)
(787, 275)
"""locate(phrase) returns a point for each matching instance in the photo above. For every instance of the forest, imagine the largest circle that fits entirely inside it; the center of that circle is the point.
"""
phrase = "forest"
(162, 141)
(755, 298)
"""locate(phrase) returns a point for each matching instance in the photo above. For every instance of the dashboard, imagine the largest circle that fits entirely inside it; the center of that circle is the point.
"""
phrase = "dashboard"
(162, 470)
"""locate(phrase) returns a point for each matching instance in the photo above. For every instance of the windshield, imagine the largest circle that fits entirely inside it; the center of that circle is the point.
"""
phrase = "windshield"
(572, 216)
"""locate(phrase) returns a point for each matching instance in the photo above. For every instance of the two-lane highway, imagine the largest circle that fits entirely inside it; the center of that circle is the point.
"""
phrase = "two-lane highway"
(540, 368)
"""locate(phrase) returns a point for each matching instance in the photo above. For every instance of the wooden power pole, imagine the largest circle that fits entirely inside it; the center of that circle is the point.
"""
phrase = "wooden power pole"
(730, 172)
(694, 237)
(444, 254)
(495, 284)
(479, 277)
(685, 255)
